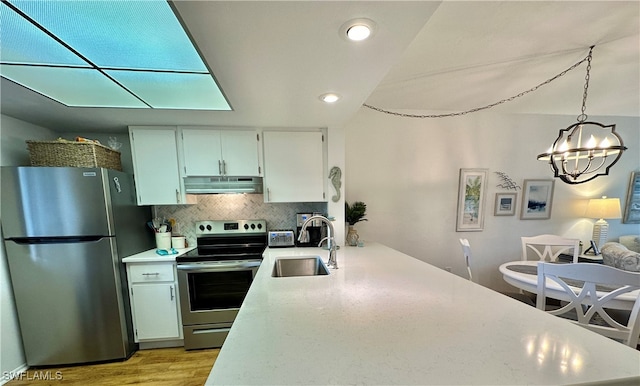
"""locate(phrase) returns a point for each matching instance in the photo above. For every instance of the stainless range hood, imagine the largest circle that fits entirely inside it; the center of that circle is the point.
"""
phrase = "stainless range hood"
(220, 185)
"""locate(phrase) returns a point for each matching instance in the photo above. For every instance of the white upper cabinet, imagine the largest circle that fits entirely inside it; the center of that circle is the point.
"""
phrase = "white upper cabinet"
(155, 165)
(294, 168)
(209, 152)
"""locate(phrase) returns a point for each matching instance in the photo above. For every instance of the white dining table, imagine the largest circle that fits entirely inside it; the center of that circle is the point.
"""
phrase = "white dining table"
(523, 275)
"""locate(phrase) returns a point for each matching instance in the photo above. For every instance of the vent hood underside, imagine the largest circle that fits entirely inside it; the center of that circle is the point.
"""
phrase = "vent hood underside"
(218, 185)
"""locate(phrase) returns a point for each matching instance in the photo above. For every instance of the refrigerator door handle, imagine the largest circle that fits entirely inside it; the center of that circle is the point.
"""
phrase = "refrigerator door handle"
(116, 183)
(55, 240)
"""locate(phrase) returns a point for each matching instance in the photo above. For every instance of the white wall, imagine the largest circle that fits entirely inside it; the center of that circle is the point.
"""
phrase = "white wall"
(336, 158)
(13, 151)
(407, 171)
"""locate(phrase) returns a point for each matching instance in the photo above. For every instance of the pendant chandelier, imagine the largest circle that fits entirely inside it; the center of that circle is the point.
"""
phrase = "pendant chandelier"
(584, 150)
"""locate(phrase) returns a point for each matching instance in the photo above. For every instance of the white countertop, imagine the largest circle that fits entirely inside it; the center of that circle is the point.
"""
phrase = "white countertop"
(387, 318)
(151, 256)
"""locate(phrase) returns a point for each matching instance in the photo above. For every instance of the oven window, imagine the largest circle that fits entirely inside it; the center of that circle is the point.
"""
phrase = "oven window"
(218, 290)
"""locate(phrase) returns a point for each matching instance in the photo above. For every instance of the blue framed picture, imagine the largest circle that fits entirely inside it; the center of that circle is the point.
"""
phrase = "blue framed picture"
(537, 197)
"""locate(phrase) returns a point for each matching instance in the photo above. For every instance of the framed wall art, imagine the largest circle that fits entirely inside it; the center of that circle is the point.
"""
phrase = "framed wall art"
(537, 197)
(471, 197)
(632, 209)
(505, 204)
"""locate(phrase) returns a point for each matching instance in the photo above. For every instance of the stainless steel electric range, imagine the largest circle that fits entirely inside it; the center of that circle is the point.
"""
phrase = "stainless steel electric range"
(215, 277)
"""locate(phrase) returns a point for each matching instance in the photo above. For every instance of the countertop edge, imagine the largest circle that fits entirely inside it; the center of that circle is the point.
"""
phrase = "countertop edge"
(151, 256)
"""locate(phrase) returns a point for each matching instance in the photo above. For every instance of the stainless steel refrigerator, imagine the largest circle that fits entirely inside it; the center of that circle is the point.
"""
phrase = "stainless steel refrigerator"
(66, 231)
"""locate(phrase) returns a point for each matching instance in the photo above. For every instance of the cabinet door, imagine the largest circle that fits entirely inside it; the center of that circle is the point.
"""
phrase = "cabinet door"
(155, 165)
(240, 153)
(155, 311)
(202, 152)
(293, 166)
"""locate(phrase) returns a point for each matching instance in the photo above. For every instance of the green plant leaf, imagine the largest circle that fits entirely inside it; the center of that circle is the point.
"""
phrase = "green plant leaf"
(355, 213)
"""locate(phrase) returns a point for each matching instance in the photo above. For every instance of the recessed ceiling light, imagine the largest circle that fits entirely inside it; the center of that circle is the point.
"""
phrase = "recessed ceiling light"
(329, 97)
(358, 32)
(357, 29)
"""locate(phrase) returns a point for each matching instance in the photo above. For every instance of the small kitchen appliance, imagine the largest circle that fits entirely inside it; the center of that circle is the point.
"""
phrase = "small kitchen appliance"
(315, 232)
(215, 277)
(279, 238)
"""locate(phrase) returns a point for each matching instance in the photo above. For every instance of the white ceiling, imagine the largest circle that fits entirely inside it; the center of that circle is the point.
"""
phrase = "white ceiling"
(273, 59)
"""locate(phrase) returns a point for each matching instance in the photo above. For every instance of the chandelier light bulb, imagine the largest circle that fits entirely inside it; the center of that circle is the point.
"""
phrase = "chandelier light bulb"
(591, 143)
(605, 143)
(564, 146)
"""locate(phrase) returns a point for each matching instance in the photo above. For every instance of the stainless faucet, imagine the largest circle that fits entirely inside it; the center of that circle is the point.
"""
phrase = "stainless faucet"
(331, 243)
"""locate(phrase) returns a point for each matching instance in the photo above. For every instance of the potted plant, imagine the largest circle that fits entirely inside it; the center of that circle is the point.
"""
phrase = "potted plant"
(353, 214)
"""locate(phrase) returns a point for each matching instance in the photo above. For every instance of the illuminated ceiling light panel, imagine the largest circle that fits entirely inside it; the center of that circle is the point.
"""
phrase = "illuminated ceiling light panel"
(109, 37)
(24, 43)
(79, 87)
(188, 91)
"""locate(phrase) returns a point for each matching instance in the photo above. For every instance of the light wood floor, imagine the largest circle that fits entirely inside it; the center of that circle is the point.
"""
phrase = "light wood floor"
(158, 367)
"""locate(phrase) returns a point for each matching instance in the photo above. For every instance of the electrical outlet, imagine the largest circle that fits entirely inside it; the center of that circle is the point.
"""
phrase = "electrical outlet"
(448, 269)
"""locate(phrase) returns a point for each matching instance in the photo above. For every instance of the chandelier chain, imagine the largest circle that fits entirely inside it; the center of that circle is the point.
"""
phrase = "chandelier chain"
(523, 93)
(583, 117)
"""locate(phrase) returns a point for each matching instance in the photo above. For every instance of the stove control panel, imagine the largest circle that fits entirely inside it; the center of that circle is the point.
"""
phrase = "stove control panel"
(220, 227)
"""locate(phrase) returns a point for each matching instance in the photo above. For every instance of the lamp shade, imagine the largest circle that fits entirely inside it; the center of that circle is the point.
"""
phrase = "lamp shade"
(603, 208)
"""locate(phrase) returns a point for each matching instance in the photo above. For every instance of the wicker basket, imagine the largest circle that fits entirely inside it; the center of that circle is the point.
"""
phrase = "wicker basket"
(77, 154)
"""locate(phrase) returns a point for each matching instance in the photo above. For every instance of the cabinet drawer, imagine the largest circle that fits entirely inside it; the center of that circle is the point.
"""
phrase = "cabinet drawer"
(143, 273)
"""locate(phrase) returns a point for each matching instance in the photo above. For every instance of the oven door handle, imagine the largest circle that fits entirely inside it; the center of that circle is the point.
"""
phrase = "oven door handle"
(203, 267)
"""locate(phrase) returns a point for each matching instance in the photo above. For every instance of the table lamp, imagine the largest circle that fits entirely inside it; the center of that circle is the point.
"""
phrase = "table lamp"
(602, 208)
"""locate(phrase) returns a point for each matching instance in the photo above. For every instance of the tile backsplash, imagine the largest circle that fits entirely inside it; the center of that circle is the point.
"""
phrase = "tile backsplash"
(234, 207)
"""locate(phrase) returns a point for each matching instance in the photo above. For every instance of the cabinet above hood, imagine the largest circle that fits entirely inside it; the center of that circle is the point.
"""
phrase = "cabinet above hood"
(221, 185)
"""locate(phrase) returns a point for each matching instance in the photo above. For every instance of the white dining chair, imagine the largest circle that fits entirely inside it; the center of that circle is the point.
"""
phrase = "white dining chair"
(466, 251)
(587, 307)
(550, 247)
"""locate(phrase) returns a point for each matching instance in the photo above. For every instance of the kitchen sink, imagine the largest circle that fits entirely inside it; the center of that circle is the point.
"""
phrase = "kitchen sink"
(299, 266)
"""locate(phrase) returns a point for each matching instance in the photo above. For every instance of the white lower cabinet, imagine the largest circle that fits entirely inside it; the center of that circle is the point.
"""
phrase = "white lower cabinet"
(154, 301)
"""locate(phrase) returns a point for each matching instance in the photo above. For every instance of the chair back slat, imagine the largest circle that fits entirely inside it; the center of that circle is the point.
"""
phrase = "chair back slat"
(466, 250)
(586, 305)
(550, 247)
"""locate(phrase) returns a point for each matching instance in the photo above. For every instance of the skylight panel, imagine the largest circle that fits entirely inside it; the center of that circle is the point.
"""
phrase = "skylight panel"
(22, 42)
(118, 34)
(173, 91)
(72, 86)
(139, 44)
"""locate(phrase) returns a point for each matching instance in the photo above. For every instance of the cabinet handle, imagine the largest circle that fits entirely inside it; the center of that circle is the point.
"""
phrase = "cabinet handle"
(268, 194)
(224, 167)
(220, 167)
(172, 296)
(151, 274)
(177, 195)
